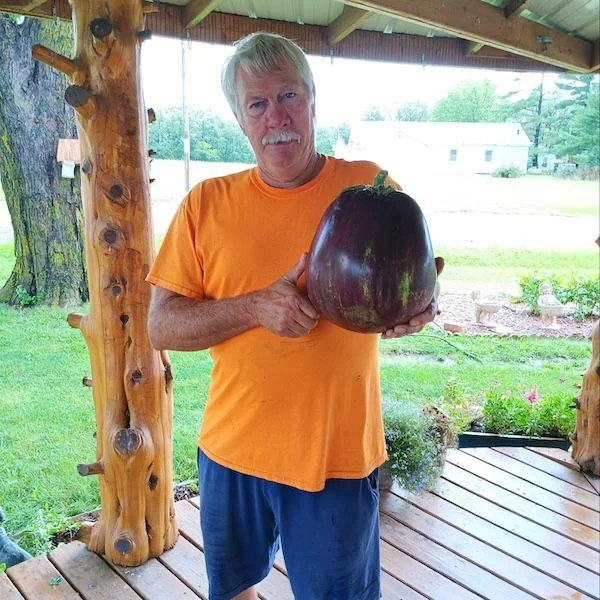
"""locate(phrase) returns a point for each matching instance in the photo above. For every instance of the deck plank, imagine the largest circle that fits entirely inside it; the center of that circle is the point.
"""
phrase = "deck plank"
(393, 589)
(448, 563)
(187, 563)
(547, 465)
(519, 487)
(275, 586)
(89, 574)
(420, 577)
(153, 581)
(38, 579)
(519, 525)
(522, 506)
(594, 481)
(508, 566)
(558, 455)
(564, 489)
(7, 589)
(508, 532)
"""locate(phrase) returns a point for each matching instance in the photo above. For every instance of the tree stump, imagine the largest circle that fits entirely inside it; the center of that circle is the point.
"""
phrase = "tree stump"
(586, 439)
(131, 382)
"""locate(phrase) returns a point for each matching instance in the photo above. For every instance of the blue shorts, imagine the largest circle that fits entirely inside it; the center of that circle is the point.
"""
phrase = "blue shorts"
(330, 539)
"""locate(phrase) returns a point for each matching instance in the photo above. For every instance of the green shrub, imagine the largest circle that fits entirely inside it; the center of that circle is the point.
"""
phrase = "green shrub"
(508, 172)
(547, 416)
(585, 293)
(415, 452)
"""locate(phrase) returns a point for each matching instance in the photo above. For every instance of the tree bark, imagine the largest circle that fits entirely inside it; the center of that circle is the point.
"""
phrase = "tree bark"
(131, 382)
(586, 439)
(45, 208)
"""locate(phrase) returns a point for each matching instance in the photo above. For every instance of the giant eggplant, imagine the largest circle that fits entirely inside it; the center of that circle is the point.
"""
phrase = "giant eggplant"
(371, 264)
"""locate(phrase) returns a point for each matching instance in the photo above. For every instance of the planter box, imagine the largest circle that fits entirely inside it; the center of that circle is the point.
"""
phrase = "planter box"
(473, 439)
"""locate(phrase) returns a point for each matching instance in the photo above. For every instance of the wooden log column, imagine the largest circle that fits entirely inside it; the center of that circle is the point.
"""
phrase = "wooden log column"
(131, 382)
(586, 439)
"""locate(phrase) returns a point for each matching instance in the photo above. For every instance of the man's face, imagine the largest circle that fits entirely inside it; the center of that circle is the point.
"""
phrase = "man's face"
(276, 113)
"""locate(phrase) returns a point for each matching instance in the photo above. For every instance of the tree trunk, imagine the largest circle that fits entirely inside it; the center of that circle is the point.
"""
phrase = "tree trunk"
(586, 439)
(45, 208)
(131, 382)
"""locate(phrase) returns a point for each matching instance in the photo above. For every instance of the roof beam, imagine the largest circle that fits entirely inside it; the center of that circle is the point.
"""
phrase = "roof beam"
(515, 7)
(473, 48)
(197, 10)
(596, 56)
(23, 5)
(352, 18)
(481, 22)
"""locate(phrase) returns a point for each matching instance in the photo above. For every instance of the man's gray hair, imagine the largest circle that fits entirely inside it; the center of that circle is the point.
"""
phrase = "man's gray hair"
(263, 53)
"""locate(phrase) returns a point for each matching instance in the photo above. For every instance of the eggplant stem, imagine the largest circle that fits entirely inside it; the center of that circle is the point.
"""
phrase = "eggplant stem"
(380, 179)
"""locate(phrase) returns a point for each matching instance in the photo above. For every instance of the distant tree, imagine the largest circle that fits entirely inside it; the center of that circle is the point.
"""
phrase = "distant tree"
(531, 112)
(470, 102)
(212, 138)
(344, 132)
(413, 111)
(374, 113)
(326, 139)
(580, 139)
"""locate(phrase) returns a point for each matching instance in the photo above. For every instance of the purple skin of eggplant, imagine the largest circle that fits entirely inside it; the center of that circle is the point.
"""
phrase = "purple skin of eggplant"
(371, 266)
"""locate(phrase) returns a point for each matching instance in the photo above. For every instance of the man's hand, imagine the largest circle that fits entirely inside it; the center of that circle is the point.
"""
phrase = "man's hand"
(282, 308)
(418, 321)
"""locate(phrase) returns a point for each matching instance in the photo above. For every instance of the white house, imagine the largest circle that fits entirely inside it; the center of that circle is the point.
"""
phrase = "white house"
(437, 146)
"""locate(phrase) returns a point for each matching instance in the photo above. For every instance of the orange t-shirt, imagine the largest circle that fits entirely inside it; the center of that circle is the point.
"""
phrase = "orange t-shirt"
(294, 411)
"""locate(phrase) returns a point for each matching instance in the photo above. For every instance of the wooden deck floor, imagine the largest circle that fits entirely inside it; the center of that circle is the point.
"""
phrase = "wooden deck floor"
(505, 524)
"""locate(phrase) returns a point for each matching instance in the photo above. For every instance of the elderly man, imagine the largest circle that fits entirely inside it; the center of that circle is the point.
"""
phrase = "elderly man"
(292, 434)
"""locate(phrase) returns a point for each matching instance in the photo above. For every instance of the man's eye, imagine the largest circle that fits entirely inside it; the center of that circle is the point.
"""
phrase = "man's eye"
(257, 105)
(290, 95)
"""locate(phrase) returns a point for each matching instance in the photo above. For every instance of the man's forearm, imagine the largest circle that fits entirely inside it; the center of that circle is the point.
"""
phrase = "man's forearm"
(182, 323)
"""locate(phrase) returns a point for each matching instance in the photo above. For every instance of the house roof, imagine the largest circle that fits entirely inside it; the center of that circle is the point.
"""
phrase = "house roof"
(431, 133)
(503, 34)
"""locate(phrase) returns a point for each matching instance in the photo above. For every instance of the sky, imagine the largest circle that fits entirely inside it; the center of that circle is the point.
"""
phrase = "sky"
(345, 88)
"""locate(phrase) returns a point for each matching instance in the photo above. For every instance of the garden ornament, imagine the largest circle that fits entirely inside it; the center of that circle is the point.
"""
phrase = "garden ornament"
(484, 309)
(550, 307)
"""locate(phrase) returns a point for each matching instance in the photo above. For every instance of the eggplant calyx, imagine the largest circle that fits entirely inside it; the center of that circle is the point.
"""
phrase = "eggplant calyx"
(380, 186)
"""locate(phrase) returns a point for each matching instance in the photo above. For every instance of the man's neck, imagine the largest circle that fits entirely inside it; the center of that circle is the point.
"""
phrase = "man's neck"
(312, 169)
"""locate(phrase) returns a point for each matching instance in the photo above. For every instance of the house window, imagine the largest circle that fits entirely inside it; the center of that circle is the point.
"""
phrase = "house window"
(453, 154)
(488, 155)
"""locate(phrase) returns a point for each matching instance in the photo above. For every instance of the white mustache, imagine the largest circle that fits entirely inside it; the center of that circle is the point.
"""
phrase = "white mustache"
(280, 136)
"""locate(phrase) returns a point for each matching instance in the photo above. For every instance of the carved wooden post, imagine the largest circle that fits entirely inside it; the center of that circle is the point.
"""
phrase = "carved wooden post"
(586, 439)
(131, 381)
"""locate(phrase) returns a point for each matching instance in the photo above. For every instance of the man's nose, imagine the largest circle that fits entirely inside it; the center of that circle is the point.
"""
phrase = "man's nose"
(277, 115)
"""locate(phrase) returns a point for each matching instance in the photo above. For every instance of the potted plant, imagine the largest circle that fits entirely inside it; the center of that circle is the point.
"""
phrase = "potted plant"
(416, 440)
(528, 420)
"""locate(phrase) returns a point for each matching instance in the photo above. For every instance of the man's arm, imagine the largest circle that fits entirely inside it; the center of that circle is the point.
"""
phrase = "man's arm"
(177, 322)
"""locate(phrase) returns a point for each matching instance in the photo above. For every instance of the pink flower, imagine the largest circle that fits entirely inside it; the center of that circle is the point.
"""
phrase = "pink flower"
(532, 396)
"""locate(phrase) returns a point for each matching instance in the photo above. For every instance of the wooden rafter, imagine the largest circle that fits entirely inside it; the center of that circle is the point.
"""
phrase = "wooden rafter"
(473, 48)
(596, 56)
(515, 7)
(481, 22)
(23, 5)
(352, 18)
(197, 10)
